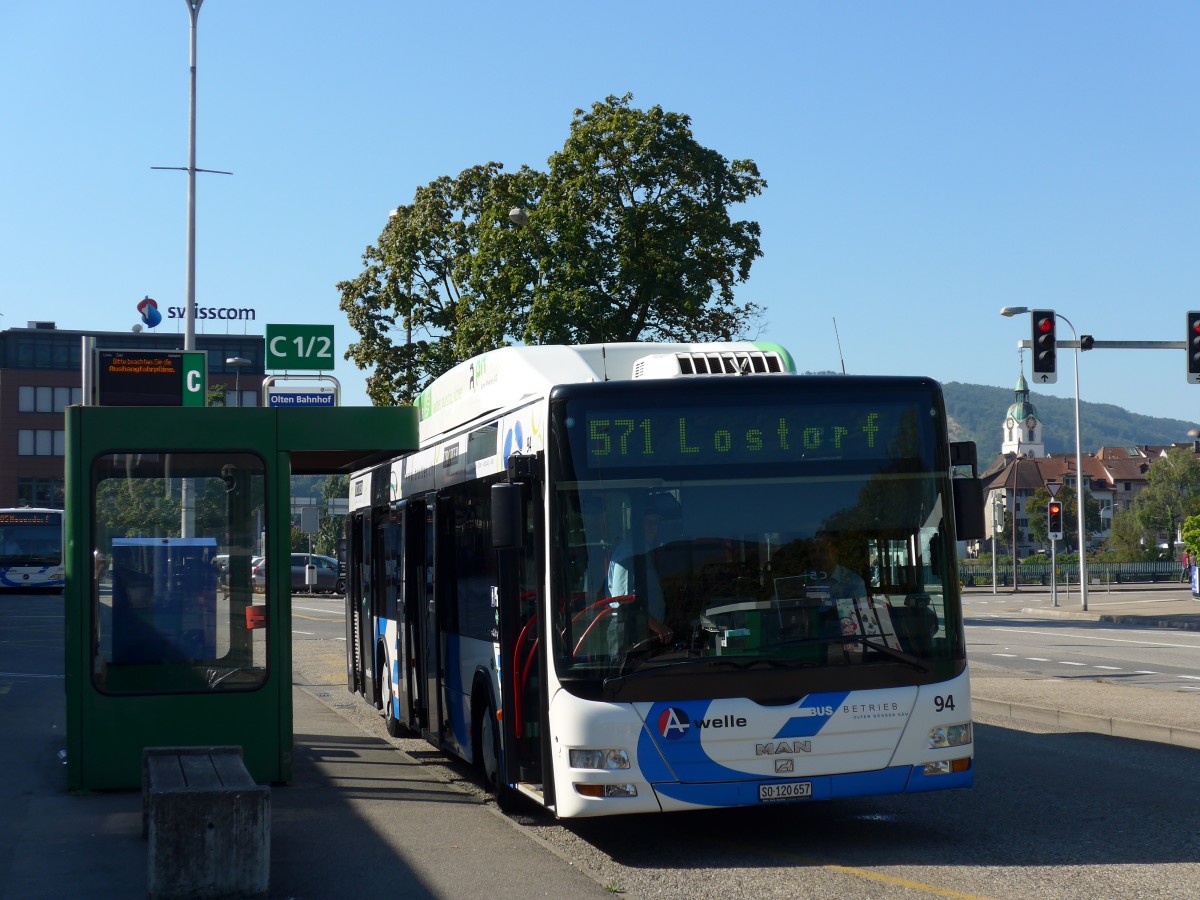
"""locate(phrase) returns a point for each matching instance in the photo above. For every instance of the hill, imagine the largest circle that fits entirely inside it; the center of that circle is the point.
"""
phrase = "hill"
(977, 411)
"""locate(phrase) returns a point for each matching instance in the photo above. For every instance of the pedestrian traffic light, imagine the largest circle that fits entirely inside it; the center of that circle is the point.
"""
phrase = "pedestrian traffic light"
(1054, 525)
(1193, 347)
(1045, 346)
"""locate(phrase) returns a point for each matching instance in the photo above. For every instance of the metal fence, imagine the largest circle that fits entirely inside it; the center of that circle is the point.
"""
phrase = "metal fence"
(980, 574)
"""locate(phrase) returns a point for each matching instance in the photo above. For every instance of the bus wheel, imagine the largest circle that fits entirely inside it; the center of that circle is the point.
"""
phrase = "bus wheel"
(389, 706)
(489, 758)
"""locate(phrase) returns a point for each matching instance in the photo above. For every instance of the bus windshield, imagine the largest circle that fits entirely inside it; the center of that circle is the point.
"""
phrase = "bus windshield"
(30, 538)
(798, 525)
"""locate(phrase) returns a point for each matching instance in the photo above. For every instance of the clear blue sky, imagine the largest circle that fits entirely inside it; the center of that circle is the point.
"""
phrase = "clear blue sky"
(927, 163)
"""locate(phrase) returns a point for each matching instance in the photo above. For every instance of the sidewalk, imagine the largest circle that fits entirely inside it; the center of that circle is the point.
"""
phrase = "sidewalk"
(1096, 704)
(357, 817)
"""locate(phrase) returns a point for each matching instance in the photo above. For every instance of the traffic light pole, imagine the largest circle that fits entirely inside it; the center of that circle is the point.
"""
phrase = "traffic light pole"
(1053, 573)
(1079, 504)
(1085, 343)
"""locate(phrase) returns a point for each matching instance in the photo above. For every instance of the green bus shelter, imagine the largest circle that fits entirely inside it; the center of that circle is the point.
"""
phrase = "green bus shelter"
(168, 643)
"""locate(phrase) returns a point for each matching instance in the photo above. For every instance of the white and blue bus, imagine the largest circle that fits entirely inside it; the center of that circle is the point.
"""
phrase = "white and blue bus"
(632, 578)
(31, 549)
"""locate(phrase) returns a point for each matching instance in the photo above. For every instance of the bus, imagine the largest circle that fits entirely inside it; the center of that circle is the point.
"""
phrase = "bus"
(31, 549)
(632, 578)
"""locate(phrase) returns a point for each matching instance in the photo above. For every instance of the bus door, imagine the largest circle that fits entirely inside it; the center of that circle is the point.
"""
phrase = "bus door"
(523, 647)
(366, 607)
(436, 584)
(408, 533)
(354, 593)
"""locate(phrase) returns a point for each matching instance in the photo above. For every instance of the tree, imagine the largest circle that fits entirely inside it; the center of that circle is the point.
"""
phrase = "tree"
(1191, 535)
(627, 237)
(1129, 539)
(1172, 494)
(332, 527)
(216, 395)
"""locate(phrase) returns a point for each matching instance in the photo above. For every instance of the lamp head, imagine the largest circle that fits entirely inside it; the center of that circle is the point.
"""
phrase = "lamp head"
(1010, 311)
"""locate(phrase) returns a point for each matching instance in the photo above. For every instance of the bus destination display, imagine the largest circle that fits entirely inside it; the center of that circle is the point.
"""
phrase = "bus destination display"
(746, 436)
(20, 517)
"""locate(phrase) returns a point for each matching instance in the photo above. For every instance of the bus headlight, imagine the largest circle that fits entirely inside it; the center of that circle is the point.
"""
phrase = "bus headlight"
(599, 759)
(603, 791)
(949, 736)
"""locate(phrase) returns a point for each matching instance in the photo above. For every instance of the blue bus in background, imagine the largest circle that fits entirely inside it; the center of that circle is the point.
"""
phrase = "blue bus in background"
(31, 549)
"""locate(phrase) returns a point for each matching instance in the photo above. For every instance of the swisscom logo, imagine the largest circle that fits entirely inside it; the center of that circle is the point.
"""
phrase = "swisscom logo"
(149, 310)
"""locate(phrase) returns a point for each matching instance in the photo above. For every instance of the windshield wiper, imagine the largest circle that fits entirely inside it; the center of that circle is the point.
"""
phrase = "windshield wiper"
(921, 665)
(916, 662)
(649, 667)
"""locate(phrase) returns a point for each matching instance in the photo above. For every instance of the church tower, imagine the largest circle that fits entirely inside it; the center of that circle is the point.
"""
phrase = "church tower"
(1022, 428)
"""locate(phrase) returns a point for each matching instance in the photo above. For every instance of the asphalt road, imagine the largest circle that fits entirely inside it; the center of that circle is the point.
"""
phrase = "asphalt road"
(1052, 814)
(1001, 636)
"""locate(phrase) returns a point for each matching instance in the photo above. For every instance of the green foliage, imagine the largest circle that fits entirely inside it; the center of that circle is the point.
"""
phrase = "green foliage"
(335, 486)
(1191, 535)
(216, 395)
(1172, 495)
(626, 237)
(1128, 539)
(151, 507)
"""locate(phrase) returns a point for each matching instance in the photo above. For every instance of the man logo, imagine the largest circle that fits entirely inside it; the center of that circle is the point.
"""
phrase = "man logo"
(674, 724)
(785, 766)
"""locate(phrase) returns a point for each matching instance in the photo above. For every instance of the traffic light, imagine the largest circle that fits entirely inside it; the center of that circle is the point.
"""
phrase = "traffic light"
(1193, 347)
(1054, 520)
(1045, 346)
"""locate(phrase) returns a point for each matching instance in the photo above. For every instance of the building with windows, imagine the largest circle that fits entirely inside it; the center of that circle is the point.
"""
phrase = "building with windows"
(41, 373)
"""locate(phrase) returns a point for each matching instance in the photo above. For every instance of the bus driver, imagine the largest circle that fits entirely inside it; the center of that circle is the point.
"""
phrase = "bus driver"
(629, 562)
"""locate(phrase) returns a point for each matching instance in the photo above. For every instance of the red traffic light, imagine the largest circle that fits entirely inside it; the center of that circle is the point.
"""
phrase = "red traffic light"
(1193, 346)
(1047, 324)
(1054, 518)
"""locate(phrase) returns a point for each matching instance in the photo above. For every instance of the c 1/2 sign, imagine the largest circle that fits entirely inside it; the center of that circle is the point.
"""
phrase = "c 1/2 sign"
(307, 348)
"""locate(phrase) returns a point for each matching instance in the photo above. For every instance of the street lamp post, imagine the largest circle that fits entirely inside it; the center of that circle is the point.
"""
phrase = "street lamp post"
(1010, 311)
(189, 330)
(238, 363)
(994, 572)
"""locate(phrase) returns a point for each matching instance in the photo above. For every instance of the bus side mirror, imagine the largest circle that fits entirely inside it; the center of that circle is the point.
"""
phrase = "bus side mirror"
(968, 509)
(508, 516)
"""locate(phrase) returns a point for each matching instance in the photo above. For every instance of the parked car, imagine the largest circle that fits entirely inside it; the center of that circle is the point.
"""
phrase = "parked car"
(328, 579)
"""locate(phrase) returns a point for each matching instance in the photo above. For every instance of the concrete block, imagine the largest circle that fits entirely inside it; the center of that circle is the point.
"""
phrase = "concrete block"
(208, 824)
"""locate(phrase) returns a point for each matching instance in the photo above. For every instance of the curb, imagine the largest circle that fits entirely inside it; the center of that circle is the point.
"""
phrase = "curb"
(1107, 725)
(1150, 623)
(1111, 618)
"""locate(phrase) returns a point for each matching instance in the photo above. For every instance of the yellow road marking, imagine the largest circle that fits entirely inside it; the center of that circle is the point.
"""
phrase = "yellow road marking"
(868, 875)
(902, 882)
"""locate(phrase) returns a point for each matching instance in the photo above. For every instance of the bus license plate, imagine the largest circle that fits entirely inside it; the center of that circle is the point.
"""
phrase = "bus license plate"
(786, 790)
